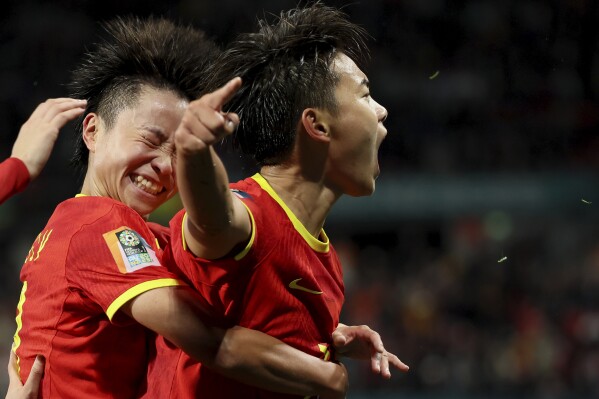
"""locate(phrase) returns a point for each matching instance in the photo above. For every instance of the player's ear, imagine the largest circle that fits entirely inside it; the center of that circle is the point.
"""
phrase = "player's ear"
(91, 127)
(316, 124)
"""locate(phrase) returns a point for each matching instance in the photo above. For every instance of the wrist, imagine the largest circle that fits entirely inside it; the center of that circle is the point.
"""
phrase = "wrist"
(335, 382)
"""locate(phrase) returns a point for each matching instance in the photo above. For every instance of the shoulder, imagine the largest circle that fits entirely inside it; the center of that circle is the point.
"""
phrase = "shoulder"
(245, 189)
(252, 195)
(99, 215)
(176, 223)
(90, 207)
(162, 233)
(103, 207)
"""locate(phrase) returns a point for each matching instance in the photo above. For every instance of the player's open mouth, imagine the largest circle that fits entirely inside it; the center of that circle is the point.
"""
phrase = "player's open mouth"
(146, 185)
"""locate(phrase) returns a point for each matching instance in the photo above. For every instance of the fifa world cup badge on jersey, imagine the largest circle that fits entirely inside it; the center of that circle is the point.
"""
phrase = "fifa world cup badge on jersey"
(129, 250)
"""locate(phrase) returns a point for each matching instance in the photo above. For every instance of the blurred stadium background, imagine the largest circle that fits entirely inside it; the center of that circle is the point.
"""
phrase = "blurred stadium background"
(477, 259)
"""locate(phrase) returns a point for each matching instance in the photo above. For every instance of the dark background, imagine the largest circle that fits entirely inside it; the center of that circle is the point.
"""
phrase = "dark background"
(494, 156)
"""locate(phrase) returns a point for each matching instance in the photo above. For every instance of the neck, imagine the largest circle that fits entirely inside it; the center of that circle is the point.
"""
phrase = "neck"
(86, 188)
(309, 200)
(91, 188)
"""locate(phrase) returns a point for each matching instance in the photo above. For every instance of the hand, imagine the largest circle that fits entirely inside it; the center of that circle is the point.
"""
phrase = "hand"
(16, 389)
(361, 342)
(38, 135)
(204, 123)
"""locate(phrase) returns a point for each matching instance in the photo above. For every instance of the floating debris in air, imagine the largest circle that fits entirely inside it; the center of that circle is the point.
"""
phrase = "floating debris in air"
(434, 75)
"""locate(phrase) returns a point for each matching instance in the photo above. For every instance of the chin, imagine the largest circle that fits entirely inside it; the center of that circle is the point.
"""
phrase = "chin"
(143, 209)
(144, 213)
(362, 191)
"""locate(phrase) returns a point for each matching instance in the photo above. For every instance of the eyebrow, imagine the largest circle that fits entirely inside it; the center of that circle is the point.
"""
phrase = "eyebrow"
(365, 82)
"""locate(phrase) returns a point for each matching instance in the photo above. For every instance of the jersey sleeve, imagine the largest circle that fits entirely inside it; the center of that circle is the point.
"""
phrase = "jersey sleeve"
(239, 256)
(115, 259)
(162, 234)
(14, 177)
(220, 282)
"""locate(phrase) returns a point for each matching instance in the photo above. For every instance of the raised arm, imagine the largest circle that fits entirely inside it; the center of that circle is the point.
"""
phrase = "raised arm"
(39, 133)
(34, 144)
(245, 355)
(216, 220)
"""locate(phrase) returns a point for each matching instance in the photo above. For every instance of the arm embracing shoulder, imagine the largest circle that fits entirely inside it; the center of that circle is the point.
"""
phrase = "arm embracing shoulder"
(246, 355)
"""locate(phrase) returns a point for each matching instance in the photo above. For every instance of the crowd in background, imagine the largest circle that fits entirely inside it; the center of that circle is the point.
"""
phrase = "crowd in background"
(475, 300)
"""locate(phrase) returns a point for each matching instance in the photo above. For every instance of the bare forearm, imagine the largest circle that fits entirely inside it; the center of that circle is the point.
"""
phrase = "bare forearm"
(213, 222)
(263, 361)
(245, 355)
(255, 358)
(204, 190)
(216, 221)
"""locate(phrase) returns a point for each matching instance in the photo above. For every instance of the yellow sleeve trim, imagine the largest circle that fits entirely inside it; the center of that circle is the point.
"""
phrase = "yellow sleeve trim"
(183, 232)
(247, 248)
(137, 290)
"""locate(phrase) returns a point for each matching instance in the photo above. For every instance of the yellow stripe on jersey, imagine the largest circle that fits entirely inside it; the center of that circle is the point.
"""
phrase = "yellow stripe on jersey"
(315, 243)
(19, 320)
(324, 348)
(137, 290)
(183, 232)
(247, 248)
(43, 242)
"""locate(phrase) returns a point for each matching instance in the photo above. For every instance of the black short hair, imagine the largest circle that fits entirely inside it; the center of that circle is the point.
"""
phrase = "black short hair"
(285, 68)
(134, 53)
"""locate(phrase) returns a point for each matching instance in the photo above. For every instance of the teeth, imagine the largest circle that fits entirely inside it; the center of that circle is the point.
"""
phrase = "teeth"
(146, 185)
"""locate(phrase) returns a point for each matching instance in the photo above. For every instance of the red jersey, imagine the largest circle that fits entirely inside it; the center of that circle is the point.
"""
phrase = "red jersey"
(14, 177)
(93, 256)
(285, 283)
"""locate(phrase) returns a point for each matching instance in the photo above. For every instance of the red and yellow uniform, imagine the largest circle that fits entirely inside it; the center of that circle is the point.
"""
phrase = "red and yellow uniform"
(285, 283)
(93, 256)
(14, 177)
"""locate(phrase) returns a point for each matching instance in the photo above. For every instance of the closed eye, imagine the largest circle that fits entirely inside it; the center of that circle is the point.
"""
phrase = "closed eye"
(151, 141)
(366, 85)
(153, 137)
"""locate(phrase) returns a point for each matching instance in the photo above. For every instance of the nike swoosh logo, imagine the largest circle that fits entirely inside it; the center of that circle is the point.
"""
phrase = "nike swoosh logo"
(295, 286)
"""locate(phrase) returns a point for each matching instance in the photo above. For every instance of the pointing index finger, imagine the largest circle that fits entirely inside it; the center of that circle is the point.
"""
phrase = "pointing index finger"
(221, 96)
